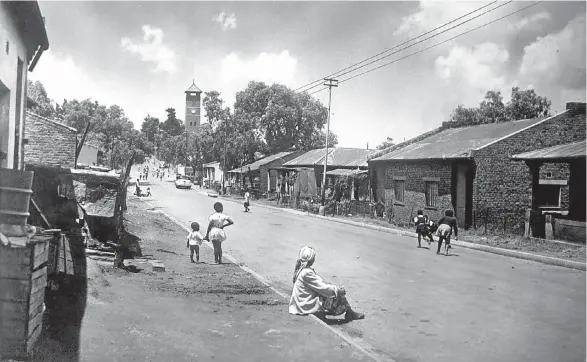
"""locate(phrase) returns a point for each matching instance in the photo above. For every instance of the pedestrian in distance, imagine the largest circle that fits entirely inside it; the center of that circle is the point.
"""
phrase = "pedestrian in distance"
(148, 191)
(446, 225)
(312, 295)
(423, 228)
(217, 222)
(247, 198)
(194, 241)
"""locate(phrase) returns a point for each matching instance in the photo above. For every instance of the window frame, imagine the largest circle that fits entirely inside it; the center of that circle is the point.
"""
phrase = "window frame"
(431, 194)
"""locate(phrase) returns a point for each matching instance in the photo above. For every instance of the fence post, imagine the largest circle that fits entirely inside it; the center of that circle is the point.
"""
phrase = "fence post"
(527, 224)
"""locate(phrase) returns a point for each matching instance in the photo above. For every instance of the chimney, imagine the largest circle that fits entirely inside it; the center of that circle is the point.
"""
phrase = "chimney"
(576, 107)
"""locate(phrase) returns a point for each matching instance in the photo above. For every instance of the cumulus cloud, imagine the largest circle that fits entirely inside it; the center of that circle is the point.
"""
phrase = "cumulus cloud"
(557, 59)
(431, 14)
(152, 50)
(479, 67)
(226, 21)
(536, 19)
(64, 79)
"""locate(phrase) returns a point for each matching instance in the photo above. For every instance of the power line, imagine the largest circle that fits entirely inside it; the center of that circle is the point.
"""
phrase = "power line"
(421, 41)
(390, 49)
(432, 46)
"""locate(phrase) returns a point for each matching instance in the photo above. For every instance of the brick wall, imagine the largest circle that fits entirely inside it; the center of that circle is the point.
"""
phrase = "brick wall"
(414, 173)
(504, 185)
(49, 143)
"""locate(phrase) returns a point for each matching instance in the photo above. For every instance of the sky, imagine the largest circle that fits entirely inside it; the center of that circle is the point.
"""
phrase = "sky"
(142, 56)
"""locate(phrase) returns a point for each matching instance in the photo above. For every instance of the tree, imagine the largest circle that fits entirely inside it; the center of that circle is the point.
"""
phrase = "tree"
(44, 105)
(527, 104)
(172, 124)
(214, 107)
(150, 127)
(522, 105)
(318, 140)
(387, 143)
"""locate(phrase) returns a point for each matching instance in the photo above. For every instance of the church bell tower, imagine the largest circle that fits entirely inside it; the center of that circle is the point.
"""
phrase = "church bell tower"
(192, 107)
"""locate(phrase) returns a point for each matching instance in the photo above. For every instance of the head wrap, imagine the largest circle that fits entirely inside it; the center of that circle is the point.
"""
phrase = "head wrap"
(306, 257)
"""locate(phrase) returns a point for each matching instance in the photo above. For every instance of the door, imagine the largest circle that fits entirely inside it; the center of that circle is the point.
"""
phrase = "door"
(461, 195)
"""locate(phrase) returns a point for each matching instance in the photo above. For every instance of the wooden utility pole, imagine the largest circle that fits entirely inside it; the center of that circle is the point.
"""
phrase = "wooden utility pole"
(331, 83)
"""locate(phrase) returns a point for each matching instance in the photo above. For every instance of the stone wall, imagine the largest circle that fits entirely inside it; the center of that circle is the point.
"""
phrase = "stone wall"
(414, 173)
(504, 185)
(49, 143)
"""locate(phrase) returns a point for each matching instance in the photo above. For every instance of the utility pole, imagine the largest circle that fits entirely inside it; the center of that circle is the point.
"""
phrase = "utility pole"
(224, 165)
(330, 83)
(186, 151)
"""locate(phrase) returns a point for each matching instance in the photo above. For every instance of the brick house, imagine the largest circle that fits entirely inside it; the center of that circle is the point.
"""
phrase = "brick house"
(48, 142)
(470, 169)
(266, 169)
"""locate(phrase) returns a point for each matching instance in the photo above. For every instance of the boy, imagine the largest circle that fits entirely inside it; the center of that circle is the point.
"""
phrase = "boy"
(194, 242)
(247, 200)
(423, 228)
(446, 225)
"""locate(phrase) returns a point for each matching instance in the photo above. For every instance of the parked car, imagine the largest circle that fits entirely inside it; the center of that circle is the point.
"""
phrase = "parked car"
(183, 182)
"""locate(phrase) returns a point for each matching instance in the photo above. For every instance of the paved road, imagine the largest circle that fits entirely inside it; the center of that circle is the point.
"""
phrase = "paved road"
(472, 306)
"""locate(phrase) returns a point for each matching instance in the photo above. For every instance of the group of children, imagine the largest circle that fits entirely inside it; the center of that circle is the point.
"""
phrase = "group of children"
(215, 233)
(444, 229)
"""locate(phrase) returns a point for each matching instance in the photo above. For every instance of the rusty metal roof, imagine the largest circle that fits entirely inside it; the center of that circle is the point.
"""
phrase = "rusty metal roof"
(566, 151)
(257, 164)
(457, 142)
(337, 157)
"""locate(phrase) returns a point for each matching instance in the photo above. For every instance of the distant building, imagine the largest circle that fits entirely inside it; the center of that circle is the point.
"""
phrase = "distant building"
(212, 173)
(192, 108)
(90, 154)
(23, 39)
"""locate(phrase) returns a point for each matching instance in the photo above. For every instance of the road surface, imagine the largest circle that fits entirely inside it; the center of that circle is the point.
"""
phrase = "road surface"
(472, 306)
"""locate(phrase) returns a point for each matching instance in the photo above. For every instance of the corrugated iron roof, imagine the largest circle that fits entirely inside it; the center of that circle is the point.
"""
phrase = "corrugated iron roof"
(260, 162)
(345, 172)
(337, 157)
(52, 122)
(457, 142)
(568, 150)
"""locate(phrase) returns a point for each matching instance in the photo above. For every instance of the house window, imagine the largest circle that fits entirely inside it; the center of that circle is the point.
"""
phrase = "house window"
(549, 195)
(399, 189)
(431, 194)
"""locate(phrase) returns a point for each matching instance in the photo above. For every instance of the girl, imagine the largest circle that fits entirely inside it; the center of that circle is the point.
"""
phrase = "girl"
(218, 221)
(446, 225)
(247, 198)
(194, 242)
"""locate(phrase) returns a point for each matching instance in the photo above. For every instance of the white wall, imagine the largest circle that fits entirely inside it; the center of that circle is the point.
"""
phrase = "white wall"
(8, 86)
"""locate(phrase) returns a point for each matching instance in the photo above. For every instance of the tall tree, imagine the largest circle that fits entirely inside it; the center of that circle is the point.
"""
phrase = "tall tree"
(527, 104)
(492, 109)
(150, 127)
(172, 124)
(44, 105)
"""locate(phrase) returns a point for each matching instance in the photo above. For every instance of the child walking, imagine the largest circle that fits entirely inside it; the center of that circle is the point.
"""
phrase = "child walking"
(423, 228)
(194, 242)
(217, 222)
(446, 225)
(247, 200)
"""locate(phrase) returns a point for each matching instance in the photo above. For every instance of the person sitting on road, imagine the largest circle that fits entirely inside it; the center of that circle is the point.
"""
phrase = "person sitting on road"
(148, 191)
(312, 295)
(194, 242)
(217, 222)
(423, 228)
(446, 225)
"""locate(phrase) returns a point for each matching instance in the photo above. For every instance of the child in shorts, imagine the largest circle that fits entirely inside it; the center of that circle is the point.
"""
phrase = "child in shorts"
(446, 225)
(423, 228)
(247, 198)
(194, 242)
(217, 222)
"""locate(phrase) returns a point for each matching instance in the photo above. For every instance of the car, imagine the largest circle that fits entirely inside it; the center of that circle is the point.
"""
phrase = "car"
(183, 182)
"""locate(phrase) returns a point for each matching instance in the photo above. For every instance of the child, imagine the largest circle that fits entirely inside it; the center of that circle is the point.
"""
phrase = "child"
(247, 200)
(148, 191)
(446, 225)
(194, 242)
(215, 233)
(423, 228)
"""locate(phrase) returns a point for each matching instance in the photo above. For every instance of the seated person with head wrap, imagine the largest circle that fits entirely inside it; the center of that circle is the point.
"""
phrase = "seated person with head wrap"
(311, 294)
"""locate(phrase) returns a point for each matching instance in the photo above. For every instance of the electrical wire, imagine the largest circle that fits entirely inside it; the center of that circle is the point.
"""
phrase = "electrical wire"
(390, 49)
(430, 47)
